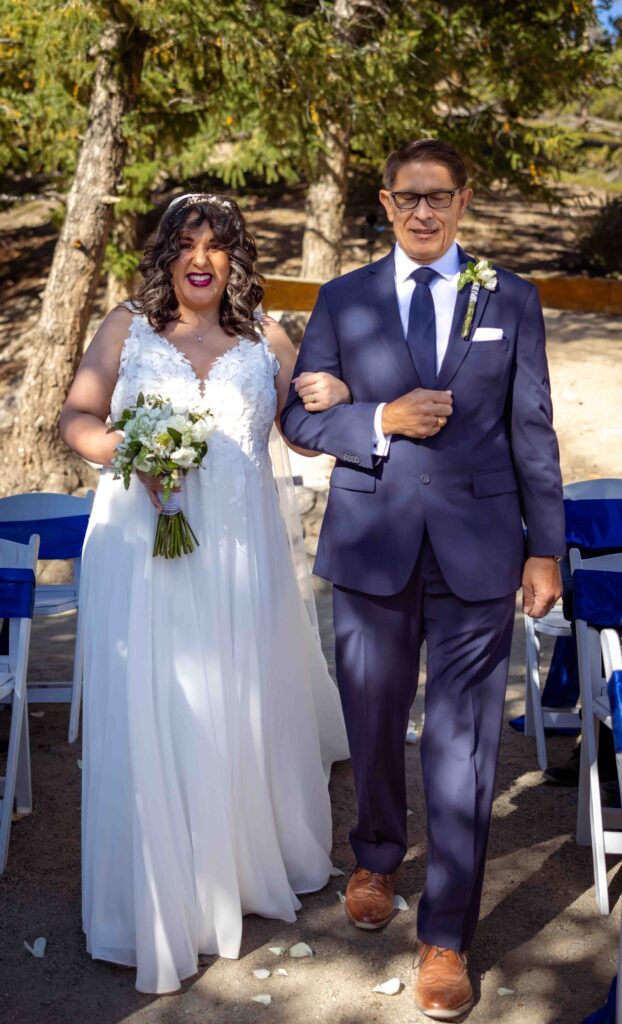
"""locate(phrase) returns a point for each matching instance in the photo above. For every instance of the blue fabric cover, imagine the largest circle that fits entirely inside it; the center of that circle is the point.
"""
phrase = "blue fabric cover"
(594, 524)
(59, 538)
(598, 598)
(607, 1013)
(17, 593)
(614, 690)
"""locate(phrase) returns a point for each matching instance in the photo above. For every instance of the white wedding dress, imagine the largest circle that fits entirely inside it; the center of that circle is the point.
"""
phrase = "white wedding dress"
(210, 719)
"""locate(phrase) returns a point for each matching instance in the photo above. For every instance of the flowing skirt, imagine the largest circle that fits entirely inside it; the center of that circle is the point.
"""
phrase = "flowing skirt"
(210, 724)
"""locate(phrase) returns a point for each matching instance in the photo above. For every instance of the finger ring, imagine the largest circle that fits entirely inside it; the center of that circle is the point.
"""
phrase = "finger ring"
(441, 421)
(314, 398)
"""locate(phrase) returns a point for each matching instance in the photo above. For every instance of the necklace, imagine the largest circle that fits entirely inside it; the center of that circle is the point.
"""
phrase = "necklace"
(201, 337)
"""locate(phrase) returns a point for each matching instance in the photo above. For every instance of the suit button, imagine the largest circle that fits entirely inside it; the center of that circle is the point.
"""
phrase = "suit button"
(425, 478)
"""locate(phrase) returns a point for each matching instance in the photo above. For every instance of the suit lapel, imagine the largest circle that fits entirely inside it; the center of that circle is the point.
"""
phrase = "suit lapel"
(382, 299)
(458, 347)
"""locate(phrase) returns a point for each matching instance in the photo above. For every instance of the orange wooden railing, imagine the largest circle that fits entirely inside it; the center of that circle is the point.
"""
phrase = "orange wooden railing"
(583, 294)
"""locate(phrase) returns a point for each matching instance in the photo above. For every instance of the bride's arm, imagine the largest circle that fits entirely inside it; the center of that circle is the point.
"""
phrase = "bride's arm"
(323, 390)
(83, 419)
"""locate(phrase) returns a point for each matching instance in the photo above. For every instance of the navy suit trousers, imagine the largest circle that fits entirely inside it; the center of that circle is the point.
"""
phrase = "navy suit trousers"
(378, 640)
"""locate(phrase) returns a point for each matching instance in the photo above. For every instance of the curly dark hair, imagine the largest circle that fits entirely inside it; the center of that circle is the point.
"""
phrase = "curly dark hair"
(156, 297)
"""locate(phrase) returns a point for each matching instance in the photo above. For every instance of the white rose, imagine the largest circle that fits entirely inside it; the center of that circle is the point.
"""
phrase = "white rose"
(184, 457)
(202, 429)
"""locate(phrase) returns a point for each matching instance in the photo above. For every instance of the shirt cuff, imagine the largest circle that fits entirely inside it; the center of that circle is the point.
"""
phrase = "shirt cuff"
(381, 442)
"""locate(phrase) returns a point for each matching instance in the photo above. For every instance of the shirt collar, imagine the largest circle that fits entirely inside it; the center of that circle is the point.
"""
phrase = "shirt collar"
(447, 265)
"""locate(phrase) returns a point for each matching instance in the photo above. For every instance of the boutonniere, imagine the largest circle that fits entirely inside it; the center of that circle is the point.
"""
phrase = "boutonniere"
(478, 275)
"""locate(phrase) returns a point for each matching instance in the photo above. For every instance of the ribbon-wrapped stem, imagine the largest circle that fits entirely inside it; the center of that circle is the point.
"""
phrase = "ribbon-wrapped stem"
(174, 535)
(468, 320)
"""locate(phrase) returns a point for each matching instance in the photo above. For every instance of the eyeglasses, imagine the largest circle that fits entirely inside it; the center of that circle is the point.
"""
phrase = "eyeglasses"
(435, 200)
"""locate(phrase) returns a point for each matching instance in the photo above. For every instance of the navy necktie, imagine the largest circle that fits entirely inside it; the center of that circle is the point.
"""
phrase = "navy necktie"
(421, 336)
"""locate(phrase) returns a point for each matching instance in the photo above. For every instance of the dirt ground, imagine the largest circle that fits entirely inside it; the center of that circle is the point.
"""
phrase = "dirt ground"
(542, 955)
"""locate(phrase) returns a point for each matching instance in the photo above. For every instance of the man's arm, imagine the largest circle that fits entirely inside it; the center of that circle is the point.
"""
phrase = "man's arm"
(345, 431)
(358, 433)
(536, 460)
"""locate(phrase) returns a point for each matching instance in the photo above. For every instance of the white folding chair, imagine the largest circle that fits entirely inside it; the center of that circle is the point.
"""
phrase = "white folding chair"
(15, 785)
(537, 717)
(43, 513)
(598, 656)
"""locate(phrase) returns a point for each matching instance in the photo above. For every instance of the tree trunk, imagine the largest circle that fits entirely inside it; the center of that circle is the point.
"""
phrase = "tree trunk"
(119, 287)
(326, 197)
(35, 457)
(325, 209)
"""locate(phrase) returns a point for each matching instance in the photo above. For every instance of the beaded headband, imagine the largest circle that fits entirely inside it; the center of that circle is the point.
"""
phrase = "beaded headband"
(205, 197)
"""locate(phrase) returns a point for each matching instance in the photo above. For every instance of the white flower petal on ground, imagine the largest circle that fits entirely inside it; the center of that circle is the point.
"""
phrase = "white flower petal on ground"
(411, 733)
(336, 872)
(263, 998)
(277, 950)
(262, 973)
(389, 988)
(300, 949)
(340, 896)
(409, 812)
(37, 714)
(400, 903)
(505, 991)
(79, 764)
(38, 947)
(282, 972)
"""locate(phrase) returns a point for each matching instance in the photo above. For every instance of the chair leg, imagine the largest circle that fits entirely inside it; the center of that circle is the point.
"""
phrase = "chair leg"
(584, 831)
(76, 690)
(15, 734)
(534, 720)
(23, 782)
(598, 839)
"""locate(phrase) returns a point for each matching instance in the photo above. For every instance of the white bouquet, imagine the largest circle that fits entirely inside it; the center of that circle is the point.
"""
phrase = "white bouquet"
(164, 443)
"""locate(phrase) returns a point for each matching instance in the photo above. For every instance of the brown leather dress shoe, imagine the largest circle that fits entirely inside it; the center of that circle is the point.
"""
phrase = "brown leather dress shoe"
(443, 990)
(369, 899)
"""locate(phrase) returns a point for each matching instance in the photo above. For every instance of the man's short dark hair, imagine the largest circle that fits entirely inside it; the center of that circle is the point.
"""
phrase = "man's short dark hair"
(425, 150)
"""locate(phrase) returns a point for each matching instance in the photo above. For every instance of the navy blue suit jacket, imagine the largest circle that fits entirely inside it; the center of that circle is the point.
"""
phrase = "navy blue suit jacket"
(491, 469)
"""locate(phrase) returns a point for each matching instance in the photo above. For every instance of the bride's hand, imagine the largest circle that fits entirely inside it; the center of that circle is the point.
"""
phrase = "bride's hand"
(153, 488)
(321, 391)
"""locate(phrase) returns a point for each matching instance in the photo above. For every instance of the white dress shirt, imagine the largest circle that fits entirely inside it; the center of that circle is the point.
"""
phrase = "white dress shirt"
(444, 293)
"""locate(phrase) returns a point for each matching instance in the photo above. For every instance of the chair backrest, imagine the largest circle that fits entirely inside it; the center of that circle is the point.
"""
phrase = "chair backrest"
(43, 505)
(16, 556)
(602, 488)
(591, 677)
(59, 520)
(601, 563)
(612, 651)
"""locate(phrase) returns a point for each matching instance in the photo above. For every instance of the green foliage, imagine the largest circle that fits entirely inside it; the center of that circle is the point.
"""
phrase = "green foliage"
(252, 87)
(599, 244)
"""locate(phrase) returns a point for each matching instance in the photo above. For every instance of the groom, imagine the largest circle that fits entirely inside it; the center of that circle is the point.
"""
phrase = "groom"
(445, 498)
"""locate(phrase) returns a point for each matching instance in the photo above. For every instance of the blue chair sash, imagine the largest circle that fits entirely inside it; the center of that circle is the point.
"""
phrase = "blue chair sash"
(614, 691)
(17, 593)
(594, 524)
(598, 598)
(607, 1013)
(58, 538)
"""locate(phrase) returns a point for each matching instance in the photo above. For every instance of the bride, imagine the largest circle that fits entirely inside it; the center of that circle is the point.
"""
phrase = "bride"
(210, 720)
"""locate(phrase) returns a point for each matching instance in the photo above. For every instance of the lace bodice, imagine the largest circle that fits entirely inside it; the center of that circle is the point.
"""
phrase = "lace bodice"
(239, 390)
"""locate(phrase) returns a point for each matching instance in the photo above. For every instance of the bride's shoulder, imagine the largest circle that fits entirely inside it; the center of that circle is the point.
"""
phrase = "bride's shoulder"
(279, 343)
(113, 332)
(278, 340)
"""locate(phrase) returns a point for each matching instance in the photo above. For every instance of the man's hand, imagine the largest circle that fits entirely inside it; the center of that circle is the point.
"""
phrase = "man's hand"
(542, 586)
(419, 413)
(321, 391)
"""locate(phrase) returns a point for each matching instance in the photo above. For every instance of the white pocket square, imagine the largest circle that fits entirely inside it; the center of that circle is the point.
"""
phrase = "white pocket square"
(488, 334)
